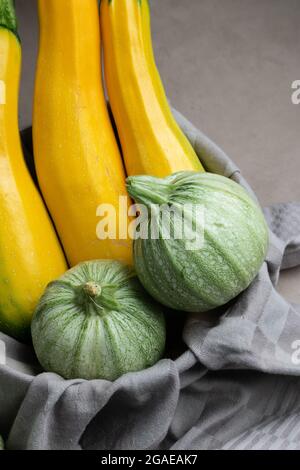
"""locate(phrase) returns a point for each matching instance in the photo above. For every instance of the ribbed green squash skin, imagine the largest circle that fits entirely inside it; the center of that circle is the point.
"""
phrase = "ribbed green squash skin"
(118, 330)
(235, 242)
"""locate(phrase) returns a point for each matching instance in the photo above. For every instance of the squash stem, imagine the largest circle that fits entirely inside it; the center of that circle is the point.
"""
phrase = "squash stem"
(101, 297)
(8, 18)
(148, 190)
(92, 289)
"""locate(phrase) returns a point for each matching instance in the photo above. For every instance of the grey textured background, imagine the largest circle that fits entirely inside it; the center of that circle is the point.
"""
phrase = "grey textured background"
(228, 66)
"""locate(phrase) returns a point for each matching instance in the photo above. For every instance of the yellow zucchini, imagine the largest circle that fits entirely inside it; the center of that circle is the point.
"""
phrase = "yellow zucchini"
(77, 158)
(152, 142)
(30, 253)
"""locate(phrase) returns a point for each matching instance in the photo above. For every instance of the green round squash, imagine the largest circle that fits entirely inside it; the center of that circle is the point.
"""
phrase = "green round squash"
(234, 234)
(97, 322)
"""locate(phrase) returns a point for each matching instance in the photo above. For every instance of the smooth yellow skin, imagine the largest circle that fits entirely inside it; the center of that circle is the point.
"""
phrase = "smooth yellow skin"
(30, 253)
(77, 158)
(152, 142)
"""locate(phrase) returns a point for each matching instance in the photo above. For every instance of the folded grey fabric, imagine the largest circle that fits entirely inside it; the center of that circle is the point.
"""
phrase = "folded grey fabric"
(236, 386)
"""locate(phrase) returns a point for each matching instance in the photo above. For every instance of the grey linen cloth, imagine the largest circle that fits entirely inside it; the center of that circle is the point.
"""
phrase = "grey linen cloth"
(235, 386)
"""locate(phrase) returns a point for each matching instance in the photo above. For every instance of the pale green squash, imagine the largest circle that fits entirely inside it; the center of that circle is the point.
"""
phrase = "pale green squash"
(1, 444)
(97, 322)
(234, 246)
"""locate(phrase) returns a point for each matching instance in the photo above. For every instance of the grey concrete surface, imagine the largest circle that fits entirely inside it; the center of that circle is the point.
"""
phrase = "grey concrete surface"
(228, 65)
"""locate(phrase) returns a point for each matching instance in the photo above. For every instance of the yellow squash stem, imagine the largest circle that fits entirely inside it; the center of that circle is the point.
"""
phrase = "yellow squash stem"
(152, 142)
(77, 158)
(30, 253)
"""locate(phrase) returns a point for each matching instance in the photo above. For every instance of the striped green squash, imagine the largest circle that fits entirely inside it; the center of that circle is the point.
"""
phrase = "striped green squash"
(97, 322)
(190, 276)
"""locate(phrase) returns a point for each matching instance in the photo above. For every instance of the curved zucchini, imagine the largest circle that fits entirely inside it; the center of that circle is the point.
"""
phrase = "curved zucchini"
(30, 253)
(152, 142)
(78, 162)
